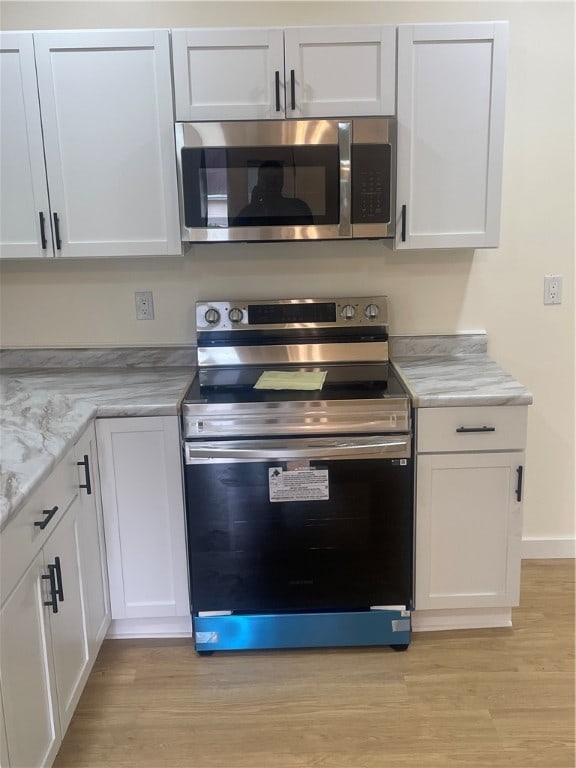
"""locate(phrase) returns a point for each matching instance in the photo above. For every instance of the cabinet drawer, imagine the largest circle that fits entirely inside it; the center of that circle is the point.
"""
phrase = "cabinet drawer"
(22, 539)
(483, 428)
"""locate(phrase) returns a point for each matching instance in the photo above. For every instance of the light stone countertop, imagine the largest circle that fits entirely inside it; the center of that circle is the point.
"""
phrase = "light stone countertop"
(45, 411)
(435, 381)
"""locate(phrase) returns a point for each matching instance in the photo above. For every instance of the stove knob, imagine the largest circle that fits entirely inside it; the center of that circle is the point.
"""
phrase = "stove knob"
(372, 311)
(348, 312)
(235, 315)
(212, 316)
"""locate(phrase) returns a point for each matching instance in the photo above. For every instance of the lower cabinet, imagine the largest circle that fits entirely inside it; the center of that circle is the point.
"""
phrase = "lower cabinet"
(93, 549)
(50, 611)
(469, 486)
(469, 530)
(142, 497)
(28, 679)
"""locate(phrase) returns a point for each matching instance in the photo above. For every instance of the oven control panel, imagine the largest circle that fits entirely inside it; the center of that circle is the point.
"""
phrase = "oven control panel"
(291, 313)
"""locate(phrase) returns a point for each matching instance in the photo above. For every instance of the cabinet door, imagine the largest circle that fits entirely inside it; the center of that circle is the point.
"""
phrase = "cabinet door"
(142, 497)
(340, 71)
(68, 625)
(92, 545)
(468, 530)
(30, 705)
(451, 95)
(228, 74)
(24, 209)
(106, 100)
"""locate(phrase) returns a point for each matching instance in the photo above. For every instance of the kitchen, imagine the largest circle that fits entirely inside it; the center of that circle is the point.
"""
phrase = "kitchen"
(90, 303)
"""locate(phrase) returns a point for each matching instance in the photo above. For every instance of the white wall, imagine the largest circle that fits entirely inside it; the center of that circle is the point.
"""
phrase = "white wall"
(92, 303)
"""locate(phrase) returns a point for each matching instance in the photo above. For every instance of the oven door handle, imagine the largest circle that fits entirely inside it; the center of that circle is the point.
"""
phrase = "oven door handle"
(332, 449)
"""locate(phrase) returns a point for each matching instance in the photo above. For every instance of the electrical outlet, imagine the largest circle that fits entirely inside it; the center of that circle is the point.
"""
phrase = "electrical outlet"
(144, 305)
(552, 289)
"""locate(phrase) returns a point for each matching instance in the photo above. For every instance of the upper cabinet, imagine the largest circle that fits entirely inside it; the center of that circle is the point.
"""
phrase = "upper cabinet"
(102, 101)
(263, 74)
(451, 96)
(24, 208)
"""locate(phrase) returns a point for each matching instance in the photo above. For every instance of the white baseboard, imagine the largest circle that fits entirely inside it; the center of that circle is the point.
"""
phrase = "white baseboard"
(548, 548)
(461, 618)
(175, 626)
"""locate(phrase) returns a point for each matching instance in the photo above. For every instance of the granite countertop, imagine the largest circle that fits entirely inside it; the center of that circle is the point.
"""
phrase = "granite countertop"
(45, 411)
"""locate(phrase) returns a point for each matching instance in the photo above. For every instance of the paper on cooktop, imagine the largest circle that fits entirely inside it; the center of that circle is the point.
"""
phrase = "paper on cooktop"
(291, 380)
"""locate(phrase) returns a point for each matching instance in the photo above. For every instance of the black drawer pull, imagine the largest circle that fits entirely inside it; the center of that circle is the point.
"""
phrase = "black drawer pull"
(403, 224)
(277, 79)
(58, 579)
(88, 483)
(292, 89)
(51, 577)
(520, 473)
(49, 515)
(57, 232)
(43, 231)
(476, 429)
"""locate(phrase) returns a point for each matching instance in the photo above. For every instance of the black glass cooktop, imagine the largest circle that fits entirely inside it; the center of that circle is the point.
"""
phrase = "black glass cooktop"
(343, 382)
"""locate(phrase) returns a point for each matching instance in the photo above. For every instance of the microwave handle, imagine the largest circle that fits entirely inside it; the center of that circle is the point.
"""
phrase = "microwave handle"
(344, 149)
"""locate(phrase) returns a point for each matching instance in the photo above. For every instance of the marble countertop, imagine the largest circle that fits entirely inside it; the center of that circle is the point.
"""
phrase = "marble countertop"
(435, 381)
(45, 411)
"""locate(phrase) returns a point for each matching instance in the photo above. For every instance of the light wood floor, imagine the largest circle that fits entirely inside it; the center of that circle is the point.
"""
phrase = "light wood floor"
(490, 698)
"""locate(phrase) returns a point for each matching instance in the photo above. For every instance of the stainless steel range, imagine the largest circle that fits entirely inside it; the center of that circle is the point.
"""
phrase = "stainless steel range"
(298, 476)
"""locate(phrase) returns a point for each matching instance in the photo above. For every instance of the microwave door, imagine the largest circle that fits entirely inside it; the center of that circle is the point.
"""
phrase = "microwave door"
(275, 180)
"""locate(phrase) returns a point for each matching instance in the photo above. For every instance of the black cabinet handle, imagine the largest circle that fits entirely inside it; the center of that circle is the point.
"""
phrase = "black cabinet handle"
(88, 483)
(476, 429)
(57, 232)
(277, 78)
(58, 580)
(292, 89)
(520, 473)
(49, 515)
(51, 577)
(403, 224)
(43, 231)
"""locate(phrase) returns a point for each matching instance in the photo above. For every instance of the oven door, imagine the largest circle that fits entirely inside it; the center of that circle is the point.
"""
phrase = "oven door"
(317, 524)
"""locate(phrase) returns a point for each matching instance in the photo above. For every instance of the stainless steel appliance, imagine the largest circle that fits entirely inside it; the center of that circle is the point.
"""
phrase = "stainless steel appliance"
(287, 179)
(298, 501)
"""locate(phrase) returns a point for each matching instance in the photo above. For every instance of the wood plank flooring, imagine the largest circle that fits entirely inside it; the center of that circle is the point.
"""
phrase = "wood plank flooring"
(474, 698)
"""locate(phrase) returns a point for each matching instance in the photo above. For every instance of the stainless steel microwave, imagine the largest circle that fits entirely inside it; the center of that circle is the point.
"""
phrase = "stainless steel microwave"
(287, 179)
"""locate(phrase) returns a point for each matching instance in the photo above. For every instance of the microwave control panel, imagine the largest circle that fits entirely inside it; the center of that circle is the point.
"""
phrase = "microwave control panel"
(371, 174)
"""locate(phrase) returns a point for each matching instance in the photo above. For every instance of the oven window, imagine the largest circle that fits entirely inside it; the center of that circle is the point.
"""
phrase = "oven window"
(263, 186)
(349, 551)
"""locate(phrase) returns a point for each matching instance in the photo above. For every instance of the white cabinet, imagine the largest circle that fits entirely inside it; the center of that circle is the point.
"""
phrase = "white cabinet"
(28, 685)
(256, 74)
(451, 97)
(469, 507)
(227, 74)
(142, 496)
(24, 209)
(62, 564)
(107, 125)
(51, 617)
(93, 549)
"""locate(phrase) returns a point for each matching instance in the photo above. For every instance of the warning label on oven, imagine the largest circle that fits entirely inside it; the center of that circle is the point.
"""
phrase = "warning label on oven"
(298, 484)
